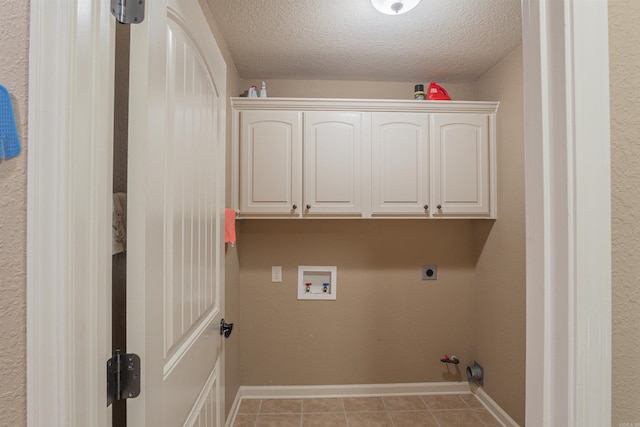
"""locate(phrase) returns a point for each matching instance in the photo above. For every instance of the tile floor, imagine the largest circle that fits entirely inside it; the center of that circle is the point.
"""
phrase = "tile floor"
(443, 410)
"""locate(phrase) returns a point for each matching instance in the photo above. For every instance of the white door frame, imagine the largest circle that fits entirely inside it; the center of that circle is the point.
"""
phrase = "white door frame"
(69, 220)
(568, 215)
(71, 74)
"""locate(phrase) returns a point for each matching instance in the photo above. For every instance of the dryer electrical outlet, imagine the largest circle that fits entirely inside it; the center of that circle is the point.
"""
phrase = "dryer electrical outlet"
(429, 272)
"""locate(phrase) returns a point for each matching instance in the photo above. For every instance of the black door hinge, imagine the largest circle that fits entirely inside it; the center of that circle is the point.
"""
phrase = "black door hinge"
(123, 376)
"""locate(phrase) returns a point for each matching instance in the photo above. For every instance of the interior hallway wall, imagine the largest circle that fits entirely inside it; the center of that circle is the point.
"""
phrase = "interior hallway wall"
(14, 49)
(500, 289)
(624, 57)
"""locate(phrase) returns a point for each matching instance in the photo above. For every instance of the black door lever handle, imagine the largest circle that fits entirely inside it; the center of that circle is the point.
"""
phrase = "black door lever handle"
(225, 328)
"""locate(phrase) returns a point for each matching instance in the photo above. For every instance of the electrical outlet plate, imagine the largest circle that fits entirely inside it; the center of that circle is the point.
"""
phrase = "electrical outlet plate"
(429, 272)
(276, 274)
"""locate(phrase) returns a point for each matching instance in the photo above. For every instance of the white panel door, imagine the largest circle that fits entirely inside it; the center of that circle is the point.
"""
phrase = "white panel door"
(332, 163)
(400, 164)
(270, 162)
(175, 264)
(460, 164)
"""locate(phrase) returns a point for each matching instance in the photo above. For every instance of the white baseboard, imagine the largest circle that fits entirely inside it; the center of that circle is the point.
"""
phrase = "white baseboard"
(493, 407)
(351, 390)
(233, 411)
(365, 390)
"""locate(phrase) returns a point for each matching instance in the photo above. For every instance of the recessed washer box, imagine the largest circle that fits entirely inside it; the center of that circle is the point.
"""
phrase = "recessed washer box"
(317, 282)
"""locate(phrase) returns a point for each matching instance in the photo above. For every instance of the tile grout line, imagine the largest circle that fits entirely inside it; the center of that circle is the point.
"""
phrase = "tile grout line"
(430, 411)
(255, 423)
(387, 412)
(473, 410)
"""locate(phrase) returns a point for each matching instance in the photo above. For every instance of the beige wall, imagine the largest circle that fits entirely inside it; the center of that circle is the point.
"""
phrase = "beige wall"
(624, 43)
(351, 89)
(499, 317)
(14, 50)
(386, 326)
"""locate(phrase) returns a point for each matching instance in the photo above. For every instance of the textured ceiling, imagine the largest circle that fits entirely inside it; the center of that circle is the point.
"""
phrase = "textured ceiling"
(440, 40)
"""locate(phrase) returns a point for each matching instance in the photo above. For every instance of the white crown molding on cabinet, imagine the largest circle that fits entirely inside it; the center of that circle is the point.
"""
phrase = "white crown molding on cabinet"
(346, 104)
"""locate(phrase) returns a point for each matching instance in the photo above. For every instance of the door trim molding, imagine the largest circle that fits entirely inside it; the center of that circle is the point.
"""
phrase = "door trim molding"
(69, 212)
(568, 215)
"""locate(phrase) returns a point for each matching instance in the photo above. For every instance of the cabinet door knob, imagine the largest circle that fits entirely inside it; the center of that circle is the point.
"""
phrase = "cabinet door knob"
(308, 207)
(439, 207)
(426, 207)
(295, 207)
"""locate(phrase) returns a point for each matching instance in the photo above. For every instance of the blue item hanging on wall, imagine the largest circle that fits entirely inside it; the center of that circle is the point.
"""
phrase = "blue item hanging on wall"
(9, 143)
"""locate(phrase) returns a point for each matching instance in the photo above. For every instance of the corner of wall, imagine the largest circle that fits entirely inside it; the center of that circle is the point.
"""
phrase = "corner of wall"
(499, 318)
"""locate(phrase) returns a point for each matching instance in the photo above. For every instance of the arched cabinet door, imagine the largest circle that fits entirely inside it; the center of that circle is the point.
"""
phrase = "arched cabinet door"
(270, 162)
(460, 176)
(400, 164)
(332, 165)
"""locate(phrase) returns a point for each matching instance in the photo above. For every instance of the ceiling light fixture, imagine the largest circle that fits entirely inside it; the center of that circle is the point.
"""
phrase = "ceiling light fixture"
(394, 7)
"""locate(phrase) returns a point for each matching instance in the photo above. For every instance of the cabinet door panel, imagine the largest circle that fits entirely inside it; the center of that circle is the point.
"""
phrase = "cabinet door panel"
(270, 162)
(400, 163)
(270, 165)
(461, 163)
(332, 163)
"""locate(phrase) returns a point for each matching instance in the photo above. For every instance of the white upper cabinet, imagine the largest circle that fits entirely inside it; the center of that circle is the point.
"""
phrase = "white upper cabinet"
(461, 167)
(400, 164)
(342, 158)
(270, 162)
(332, 163)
